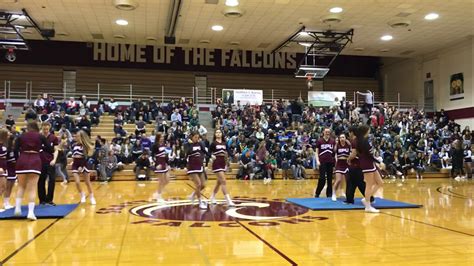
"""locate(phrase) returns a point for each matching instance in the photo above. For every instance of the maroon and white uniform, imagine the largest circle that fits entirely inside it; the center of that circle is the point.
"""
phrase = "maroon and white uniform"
(195, 158)
(219, 150)
(161, 159)
(326, 150)
(367, 161)
(342, 152)
(11, 165)
(79, 160)
(3, 159)
(29, 145)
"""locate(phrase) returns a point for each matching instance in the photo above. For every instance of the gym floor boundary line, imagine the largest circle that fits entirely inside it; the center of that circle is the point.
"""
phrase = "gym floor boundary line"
(28, 242)
(258, 237)
(433, 225)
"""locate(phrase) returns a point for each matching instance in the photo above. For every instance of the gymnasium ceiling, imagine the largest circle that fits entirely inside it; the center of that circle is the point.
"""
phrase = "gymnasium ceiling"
(264, 24)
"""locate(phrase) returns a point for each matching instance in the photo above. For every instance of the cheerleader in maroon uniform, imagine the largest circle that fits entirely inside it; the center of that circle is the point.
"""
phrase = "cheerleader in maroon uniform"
(195, 154)
(28, 166)
(325, 161)
(218, 151)
(343, 150)
(372, 177)
(3, 161)
(161, 165)
(11, 165)
(81, 149)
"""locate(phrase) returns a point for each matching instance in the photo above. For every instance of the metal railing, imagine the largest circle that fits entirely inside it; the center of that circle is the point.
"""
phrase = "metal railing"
(124, 94)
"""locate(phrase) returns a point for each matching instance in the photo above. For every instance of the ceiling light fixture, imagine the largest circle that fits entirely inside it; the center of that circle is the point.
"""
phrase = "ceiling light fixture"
(386, 37)
(231, 2)
(17, 16)
(306, 44)
(121, 22)
(431, 16)
(336, 10)
(217, 28)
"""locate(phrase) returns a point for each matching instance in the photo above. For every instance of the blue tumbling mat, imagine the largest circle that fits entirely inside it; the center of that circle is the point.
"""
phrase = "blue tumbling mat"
(41, 211)
(328, 204)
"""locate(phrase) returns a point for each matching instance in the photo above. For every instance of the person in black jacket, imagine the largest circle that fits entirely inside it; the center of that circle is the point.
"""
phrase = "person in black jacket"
(142, 167)
(457, 155)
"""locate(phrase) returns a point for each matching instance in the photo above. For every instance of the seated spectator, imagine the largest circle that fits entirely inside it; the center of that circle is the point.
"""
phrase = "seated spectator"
(71, 106)
(108, 166)
(84, 106)
(113, 106)
(246, 164)
(95, 117)
(176, 116)
(125, 152)
(145, 142)
(142, 167)
(10, 122)
(51, 105)
(140, 126)
(118, 126)
(101, 106)
(136, 150)
(39, 103)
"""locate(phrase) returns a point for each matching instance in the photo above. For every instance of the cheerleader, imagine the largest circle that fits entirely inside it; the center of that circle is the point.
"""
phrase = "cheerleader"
(468, 161)
(195, 154)
(343, 150)
(372, 177)
(161, 165)
(29, 165)
(81, 149)
(218, 161)
(325, 162)
(3, 161)
(11, 177)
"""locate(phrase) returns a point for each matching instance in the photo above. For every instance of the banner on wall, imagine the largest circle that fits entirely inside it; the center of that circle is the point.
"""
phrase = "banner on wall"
(252, 97)
(456, 87)
(325, 98)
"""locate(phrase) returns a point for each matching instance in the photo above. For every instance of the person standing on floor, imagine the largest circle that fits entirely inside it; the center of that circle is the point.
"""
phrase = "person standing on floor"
(81, 150)
(343, 150)
(195, 153)
(161, 165)
(367, 161)
(48, 160)
(325, 161)
(29, 165)
(219, 156)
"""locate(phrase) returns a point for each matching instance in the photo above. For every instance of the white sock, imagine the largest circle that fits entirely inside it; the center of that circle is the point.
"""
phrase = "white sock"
(18, 204)
(91, 195)
(6, 201)
(31, 208)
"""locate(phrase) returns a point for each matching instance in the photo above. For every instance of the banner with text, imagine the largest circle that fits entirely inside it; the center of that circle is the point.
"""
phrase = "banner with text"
(325, 98)
(252, 97)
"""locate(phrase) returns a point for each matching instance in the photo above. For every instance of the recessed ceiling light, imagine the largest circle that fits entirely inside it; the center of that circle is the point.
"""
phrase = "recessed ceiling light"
(336, 10)
(303, 33)
(204, 41)
(386, 37)
(119, 36)
(217, 28)
(151, 39)
(121, 22)
(306, 44)
(231, 2)
(62, 33)
(431, 16)
(234, 43)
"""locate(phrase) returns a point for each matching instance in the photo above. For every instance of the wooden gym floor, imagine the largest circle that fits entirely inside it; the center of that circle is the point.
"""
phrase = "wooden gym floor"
(119, 231)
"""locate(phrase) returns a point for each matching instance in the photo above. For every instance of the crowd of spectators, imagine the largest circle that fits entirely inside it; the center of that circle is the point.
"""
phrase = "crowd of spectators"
(287, 132)
(281, 135)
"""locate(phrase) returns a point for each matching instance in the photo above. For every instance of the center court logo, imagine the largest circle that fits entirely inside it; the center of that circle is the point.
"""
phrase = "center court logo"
(178, 212)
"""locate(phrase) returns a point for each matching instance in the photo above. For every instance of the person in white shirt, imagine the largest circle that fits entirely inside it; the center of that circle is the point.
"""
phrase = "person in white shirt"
(39, 103)
(112, 106)
(202, 130)
(176, 116)
(369, 99)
